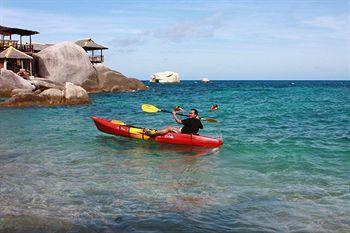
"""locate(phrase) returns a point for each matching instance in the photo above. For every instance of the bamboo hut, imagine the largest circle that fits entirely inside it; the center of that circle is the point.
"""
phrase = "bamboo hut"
(93, 49)
(13, 59)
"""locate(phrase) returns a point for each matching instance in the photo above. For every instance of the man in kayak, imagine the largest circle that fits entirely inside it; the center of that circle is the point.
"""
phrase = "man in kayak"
(191, 125)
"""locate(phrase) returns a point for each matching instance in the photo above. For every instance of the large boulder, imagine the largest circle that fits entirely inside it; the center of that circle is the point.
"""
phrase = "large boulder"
(108, 80)
(10, 81)
(165, 77)
(53, 96)
(75, 94)
(65, 62)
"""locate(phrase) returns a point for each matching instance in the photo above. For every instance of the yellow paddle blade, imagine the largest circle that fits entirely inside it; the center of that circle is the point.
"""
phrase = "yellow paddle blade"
(149, 108)
(212, 120)
(117, 122)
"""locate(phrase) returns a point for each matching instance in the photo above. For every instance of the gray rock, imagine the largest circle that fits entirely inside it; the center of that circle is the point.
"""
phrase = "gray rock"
(44, 84)
(53, 92)
(53, 96)
(20, 91)
(37, 91)
(24, 99)
(165, 77)
(75, 94)
(65, 62)
(111, 81)
(9, 81)
(72, 95)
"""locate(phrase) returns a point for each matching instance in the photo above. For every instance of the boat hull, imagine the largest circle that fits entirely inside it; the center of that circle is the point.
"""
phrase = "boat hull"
(119, 129)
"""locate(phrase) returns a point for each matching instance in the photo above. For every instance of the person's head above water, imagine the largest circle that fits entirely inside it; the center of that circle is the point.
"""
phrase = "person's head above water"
(214, 107)
(178, 109)
(193, 113)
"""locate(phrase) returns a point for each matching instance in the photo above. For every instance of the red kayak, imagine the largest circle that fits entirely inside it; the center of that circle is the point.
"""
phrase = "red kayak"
(121, 129)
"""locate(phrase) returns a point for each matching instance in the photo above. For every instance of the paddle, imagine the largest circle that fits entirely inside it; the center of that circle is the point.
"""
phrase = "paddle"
(152, 109)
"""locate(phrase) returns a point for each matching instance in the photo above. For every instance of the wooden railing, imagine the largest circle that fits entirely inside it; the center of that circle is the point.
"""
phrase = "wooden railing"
(4, 44)
(97, 59)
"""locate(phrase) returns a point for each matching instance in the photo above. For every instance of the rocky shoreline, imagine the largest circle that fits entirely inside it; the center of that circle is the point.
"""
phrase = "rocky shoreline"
(66, 76)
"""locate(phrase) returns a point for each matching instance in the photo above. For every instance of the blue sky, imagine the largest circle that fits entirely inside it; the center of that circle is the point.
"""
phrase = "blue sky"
(241, 40)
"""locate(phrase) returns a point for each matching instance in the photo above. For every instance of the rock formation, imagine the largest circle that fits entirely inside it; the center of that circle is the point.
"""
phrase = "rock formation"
(66, 76)
(165, 77)
(43, 84)
(71, 95)
(65, 62)
(10, 81)
(108, 80)
(75, 94)
(205, 80)
(53, 96)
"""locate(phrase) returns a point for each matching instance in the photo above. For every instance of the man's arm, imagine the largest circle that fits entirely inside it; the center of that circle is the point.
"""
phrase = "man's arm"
(176, 118)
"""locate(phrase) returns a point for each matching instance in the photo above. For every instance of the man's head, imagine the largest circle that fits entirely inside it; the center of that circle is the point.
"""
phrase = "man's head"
(193, 113)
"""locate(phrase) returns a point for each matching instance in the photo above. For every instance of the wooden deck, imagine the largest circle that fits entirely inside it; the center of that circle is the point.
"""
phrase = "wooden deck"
(97, 59)
(26, 48)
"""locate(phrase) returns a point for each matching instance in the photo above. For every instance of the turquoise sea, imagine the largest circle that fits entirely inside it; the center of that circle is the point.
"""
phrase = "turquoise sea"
(284, 165)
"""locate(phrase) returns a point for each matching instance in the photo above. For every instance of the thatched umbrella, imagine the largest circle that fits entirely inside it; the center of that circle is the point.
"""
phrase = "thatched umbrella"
(90, 45)
(13, 54)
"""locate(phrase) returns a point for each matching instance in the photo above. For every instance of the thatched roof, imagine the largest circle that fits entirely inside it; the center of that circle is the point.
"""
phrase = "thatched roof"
(89, 44)
(18, 31)
(39, 47)
(12, 53)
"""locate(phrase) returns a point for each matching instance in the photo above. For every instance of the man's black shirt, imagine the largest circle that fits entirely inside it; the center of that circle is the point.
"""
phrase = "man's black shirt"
(191, 125)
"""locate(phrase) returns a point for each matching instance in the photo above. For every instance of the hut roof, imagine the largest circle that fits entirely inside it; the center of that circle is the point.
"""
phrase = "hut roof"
(39, 47)
(12, 53)
(89, 44)
(18, 31)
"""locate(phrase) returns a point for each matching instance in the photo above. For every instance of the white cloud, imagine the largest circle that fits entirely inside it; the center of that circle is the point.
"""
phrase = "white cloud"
(129, 43)
(337, 23)
(191, 30)
(203, 28)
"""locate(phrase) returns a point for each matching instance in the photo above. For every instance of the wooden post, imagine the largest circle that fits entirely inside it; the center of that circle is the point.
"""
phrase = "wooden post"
(101, 56)
(30, 67)
(22, 64)
(5, 64)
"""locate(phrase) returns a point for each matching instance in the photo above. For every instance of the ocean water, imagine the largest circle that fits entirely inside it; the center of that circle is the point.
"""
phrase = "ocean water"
(284, 165)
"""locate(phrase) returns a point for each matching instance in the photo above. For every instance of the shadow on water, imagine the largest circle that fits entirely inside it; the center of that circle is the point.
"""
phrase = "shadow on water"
(138, 147)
